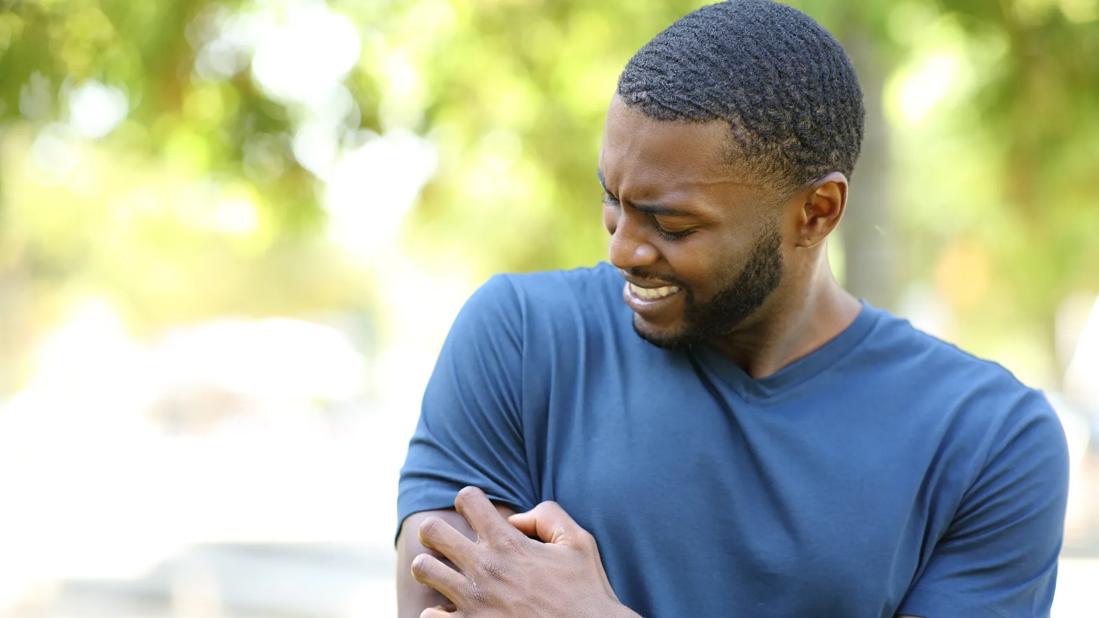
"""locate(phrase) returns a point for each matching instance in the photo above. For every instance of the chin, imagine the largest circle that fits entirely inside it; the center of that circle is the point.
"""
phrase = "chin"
(670, 338)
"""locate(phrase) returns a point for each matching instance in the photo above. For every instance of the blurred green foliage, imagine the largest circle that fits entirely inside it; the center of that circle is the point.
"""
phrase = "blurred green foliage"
(201, 202)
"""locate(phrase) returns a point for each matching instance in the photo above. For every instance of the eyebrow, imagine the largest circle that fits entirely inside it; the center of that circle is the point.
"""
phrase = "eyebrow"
(649, 209)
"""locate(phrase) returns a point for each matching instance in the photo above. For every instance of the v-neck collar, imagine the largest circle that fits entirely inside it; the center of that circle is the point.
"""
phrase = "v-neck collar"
(797, 372)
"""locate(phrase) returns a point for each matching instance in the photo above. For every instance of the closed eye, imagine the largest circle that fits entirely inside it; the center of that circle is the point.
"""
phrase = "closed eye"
(670, 234)
(612, 202)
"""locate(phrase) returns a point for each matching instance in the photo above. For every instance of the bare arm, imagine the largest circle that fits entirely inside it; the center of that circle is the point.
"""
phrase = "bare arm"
(522, 565)
(412, 596)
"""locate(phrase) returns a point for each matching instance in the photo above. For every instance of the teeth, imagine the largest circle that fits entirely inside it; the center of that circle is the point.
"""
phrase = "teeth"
(653, 293)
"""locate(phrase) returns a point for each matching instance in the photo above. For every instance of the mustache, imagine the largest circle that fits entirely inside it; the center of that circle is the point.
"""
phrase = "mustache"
(638, 273)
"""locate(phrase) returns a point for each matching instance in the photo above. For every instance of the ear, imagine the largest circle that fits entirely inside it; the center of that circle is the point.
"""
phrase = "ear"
(822, 208)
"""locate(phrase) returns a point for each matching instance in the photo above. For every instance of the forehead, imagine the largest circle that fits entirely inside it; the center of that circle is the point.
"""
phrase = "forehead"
(644, 155)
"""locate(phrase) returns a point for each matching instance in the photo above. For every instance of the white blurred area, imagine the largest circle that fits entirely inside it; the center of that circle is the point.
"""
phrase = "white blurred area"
(236, 468)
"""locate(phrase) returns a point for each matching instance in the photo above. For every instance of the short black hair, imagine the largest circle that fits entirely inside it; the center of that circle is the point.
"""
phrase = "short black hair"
(781, 81)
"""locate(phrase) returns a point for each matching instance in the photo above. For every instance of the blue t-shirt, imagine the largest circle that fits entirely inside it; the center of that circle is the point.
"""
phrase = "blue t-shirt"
(886, 472)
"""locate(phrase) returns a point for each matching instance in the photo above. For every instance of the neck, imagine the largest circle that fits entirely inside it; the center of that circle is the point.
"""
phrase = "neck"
(794, 321)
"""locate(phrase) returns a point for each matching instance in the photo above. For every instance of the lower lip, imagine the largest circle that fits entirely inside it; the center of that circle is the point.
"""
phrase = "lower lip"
(651, 309)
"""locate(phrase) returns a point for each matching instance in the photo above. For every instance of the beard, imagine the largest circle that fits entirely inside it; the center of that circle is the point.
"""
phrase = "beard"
(741, 295)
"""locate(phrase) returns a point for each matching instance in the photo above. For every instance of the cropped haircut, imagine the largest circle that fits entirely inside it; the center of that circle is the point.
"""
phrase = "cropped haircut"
(780, 81)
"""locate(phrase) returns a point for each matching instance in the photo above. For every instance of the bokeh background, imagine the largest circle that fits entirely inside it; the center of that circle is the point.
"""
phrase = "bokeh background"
(233, 235)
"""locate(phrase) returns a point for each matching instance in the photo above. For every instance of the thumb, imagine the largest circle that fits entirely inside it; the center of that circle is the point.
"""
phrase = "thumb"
(549, 523)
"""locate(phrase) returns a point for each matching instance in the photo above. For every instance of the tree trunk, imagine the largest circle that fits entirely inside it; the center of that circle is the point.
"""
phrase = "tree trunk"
(870, 240)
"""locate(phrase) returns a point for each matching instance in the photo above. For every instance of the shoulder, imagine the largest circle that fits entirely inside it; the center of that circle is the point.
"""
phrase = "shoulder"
(975, 397)
(556, 296)
(557, 289)
(935, 362)
(542, 309)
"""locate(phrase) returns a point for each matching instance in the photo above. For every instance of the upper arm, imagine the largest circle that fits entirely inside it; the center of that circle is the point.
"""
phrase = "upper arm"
(998, 556)
(470, 430)
(412, 596)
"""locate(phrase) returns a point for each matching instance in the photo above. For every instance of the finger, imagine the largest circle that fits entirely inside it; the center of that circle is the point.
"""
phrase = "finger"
(549, 523)
(442, 537)
(429, 571)
(441, 611)
(486, 521)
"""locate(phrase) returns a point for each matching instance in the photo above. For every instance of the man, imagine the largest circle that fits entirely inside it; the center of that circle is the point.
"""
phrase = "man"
(738, 434)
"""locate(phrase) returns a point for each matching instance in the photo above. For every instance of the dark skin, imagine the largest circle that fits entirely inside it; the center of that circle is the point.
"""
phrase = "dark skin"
(684, 168)
(677, 210)
(499, 571)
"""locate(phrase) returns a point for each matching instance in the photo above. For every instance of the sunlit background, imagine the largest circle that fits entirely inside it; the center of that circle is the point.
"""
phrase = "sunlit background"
(234, 234)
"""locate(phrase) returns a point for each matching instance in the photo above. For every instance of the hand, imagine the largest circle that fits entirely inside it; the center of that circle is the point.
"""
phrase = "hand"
(505, 573)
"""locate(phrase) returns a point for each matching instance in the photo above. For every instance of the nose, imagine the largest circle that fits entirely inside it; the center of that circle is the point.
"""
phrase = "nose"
(628, 248)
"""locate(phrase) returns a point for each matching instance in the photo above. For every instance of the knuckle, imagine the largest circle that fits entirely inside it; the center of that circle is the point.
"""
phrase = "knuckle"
(493, 569)
(478, 596)
(509, 544)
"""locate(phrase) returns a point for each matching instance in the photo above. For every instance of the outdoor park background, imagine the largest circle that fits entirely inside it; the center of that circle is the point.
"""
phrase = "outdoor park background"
(233, 236)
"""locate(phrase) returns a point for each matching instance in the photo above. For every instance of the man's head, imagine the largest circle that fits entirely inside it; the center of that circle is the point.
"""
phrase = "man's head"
(725, 158)
(779, 80)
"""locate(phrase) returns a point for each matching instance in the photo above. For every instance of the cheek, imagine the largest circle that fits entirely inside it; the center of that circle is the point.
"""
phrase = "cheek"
(706, 268)
(691, 263)
(610, 219)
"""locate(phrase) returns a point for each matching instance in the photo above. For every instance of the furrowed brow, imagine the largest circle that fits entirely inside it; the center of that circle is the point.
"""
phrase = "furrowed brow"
(649, 209)
(659, 210)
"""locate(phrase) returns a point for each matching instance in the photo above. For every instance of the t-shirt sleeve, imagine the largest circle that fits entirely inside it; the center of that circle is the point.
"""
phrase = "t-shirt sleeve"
(470, 429)
(998, 557)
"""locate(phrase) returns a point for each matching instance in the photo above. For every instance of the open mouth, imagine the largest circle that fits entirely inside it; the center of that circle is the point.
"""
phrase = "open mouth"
(652, 293)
